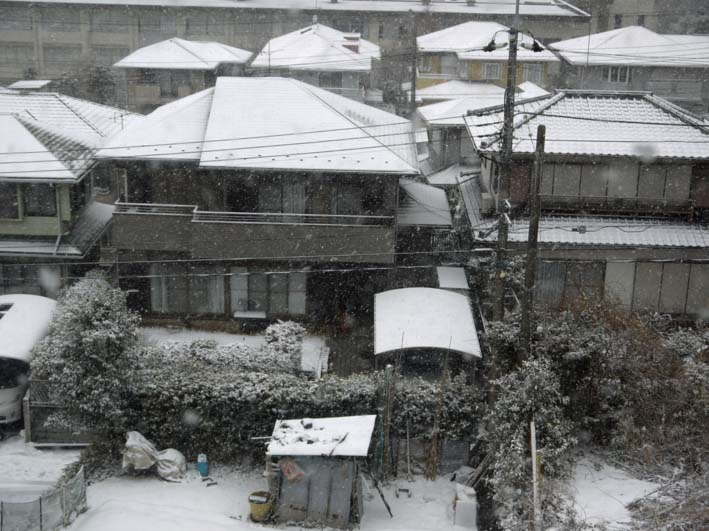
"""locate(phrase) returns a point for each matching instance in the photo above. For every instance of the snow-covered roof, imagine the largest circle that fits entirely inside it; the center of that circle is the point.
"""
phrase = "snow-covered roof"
(85, 121)
(451, 113)
(318, 47)
(423, 205)
(556, 8)
(414, 318)
(452, 278)
(448, 176)
(327, 437)
(637, 46)
(612, 232)
(454, 89)
(30, 84)
(181, 54)
(631, 124)
(24, 320)
(467, 40)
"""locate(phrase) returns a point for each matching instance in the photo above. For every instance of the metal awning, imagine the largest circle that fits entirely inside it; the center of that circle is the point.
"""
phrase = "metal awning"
(416, 318)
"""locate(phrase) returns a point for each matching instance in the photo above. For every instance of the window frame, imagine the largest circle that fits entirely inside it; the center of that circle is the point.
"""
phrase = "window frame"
(18, 201)
(37, 210)
(486, 71)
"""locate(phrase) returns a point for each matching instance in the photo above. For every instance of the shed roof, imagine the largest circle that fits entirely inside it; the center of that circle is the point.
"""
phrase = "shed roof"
(467, 40)
(630, 124)
(637, 46)
(317, 47)
(328, 437)
(267, 123)
(423, 205)
(556, 8)
(414, 318)
(452, 278)
(181, 54)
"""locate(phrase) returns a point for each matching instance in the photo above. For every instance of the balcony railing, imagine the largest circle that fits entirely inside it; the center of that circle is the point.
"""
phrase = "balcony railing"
(264, 218)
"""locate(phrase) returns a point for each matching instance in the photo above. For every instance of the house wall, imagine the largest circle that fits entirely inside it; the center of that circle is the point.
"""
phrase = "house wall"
(149, 88)
(95, 33)
(32, 225)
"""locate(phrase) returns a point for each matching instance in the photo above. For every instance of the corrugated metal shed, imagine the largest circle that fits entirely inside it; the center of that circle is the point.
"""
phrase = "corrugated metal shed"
(181, 54)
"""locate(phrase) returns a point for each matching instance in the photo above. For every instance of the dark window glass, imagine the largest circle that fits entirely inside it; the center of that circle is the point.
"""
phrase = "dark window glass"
(258, 292)
(9, 205)
(618, 21)
(40, 200)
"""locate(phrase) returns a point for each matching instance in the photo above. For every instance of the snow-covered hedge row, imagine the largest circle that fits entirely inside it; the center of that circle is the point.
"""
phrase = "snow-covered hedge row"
(219, 412)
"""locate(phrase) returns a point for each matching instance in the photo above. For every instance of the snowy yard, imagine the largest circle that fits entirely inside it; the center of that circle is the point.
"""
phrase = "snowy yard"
(149, 504)
(601, 492)
(26, 472)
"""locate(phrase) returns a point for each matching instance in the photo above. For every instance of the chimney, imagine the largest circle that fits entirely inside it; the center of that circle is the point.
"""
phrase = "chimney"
(351, 42)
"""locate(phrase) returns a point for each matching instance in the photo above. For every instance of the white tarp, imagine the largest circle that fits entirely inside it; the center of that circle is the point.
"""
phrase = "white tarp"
(334, 436)
(424, 318)
(140, 454)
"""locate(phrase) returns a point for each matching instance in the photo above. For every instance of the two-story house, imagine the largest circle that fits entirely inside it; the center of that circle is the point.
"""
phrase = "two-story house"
(342, 63)
(457, 53)
(50, 219)
(171, 69)
(624, 197)
(261, 197)
(675, 67)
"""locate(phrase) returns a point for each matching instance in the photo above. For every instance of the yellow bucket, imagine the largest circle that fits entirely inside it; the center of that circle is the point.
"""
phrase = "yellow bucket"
(261, 503)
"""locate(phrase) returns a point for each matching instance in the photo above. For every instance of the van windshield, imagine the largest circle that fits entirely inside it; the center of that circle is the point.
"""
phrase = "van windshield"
(12, 372)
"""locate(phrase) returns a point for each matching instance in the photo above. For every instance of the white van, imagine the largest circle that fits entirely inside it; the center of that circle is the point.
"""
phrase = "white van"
(24, 320)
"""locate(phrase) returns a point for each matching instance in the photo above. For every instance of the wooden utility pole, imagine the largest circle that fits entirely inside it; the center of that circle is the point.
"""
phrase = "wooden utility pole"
(414, 63)
(536, 502)
(532, 239)
(505, 172)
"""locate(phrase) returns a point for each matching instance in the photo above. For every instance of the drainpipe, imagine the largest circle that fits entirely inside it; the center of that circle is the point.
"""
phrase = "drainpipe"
(57, 198)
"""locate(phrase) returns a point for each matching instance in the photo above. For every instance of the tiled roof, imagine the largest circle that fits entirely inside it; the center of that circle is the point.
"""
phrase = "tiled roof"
(271, 123)
(638, 46)
(466, 40)
(317, 47)
(181, 54)
(612, 232)
(423, 205)
(590, 123)
(558, 8)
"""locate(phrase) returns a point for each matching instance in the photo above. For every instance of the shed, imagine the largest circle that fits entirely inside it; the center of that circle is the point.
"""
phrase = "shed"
(314, 469)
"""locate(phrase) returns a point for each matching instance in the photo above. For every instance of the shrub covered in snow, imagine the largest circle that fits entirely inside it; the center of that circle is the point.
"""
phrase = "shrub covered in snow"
(88, 356)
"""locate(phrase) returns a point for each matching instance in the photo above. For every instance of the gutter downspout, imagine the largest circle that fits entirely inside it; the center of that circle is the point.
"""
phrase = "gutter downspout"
(57, 198)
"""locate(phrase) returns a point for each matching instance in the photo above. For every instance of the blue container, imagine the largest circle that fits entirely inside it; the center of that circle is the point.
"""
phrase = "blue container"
(203, 465)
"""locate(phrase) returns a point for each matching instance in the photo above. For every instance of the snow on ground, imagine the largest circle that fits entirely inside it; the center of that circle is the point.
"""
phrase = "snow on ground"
(315, 350)
(148, 504)
(601, 492)
(26, 472)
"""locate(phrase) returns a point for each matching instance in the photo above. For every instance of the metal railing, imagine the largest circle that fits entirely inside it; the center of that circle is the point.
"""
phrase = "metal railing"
(635, 204)
(270, 218)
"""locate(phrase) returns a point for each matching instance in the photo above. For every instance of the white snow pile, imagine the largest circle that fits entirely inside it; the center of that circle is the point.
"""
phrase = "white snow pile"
(334, 436)
(601, 493)
(26, 472)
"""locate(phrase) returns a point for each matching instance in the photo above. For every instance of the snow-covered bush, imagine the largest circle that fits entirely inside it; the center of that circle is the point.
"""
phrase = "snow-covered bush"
(285, 339)
(88, 356)
(532, 392)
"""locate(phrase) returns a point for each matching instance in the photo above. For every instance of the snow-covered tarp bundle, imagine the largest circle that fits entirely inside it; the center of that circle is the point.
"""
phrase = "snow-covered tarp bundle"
(141, 454)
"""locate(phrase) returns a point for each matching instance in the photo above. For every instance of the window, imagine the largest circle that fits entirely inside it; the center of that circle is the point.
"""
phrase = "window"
(380, 31)
(13, 54)
(427, 64)
(110, 21)
(61, 19)
(39, 200)
(17, 278)
(534, 72)
(9, 204)
(270, 293)
(616, 74)
(15, 18)
(61, 55)
(183, 288)
(171, 81)
(206, 290)
(109, 55)
(330, 80)
(276, 196)
(492, 71)
(403, 31)
(618, 21)
(347, 199)
(641, 20)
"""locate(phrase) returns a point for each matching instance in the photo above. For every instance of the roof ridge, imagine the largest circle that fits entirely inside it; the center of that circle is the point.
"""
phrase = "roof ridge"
(307, 88)
(61, 97)
(677, 112)
(176, 39)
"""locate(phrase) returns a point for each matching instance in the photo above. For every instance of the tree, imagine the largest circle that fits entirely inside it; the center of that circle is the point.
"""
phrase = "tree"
(88, 356)
(98, 84)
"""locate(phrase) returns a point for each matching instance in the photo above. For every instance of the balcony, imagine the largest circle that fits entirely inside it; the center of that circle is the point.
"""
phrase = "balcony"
(272, 235)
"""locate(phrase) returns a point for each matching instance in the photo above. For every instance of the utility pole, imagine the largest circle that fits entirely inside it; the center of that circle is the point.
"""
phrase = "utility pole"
(532, 239)
(414, 63)
(505, 171)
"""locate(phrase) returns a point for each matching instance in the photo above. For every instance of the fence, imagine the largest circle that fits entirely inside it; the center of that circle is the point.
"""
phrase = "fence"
(50, 511)
(40, 403)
